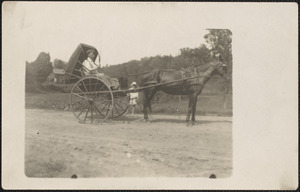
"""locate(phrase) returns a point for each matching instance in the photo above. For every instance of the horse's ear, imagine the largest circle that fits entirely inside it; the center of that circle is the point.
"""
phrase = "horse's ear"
(219, 63)
(225, 67)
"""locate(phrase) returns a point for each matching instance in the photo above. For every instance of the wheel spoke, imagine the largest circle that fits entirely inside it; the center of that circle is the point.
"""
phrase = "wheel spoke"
(102, 86)
(116, 109)
(102, 99)
(119, 105)
(108, 109)
(87, 112)
(101, 104)
(80, 96)
(80, 105)
(98, 93)
(98, 111)
(82, 82)
(95, 88)
(121, 101)
(91, 113)
(90, 84)
(82, 110)
(79, 89)
(105, 105)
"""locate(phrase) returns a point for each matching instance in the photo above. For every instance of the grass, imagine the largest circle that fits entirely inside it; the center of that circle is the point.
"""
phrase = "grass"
(53, 100)
(206, 105)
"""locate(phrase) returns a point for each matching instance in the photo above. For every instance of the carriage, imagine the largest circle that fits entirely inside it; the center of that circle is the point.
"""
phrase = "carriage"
(93, 97)
(98, 97)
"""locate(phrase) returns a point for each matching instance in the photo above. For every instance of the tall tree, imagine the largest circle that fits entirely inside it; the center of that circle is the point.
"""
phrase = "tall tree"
(41, 67)
(219, 41)
(192, 57)
(59, 64)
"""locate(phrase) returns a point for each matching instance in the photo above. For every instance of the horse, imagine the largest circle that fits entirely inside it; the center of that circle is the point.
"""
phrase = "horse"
(188, 86)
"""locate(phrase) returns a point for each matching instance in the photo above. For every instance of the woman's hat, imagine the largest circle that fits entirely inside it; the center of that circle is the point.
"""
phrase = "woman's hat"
(90, 51)
(133, 83)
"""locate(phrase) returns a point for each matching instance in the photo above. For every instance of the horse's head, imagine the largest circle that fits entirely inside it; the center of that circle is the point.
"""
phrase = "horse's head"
(220, 68)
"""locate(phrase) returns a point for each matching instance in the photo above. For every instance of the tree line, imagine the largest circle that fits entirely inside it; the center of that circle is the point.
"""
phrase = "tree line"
(218, 45)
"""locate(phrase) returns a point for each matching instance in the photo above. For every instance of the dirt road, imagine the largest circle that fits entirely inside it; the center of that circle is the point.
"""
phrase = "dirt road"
(58, 146)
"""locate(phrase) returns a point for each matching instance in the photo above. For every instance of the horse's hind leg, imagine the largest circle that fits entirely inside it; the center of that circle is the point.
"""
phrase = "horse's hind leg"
(145, 103)
(152, 93)
(148, 95)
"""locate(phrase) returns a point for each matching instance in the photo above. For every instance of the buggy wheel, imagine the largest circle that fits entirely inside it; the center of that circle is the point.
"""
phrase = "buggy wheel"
(120, 105)
(91, 99)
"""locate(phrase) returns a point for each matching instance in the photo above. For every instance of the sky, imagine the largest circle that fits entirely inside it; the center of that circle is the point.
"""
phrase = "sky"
(120, 31)
(265, 58)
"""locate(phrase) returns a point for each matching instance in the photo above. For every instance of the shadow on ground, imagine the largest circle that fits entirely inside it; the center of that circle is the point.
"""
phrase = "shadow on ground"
(135, 119)
(197, 122)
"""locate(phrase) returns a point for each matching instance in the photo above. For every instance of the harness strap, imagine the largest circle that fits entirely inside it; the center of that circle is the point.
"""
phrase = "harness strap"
(195, 84)
(197, 79)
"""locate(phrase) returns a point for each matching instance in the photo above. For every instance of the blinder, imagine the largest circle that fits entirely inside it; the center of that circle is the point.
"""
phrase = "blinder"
(224, 67)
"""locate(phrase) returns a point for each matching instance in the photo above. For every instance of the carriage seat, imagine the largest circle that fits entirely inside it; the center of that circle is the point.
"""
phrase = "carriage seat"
(113, 83)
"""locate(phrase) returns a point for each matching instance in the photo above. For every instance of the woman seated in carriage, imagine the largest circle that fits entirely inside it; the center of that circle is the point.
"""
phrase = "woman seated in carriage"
(89, 67)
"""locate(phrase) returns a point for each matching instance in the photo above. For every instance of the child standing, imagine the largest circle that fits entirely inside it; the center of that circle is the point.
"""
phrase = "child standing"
(133, 97)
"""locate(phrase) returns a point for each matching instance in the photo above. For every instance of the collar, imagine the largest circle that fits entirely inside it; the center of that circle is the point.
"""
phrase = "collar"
(90, 60)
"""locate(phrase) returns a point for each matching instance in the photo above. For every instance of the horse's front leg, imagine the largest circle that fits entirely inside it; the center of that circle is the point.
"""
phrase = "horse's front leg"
(194, 109)
(145, 111)
(145, 105)
(189, 111)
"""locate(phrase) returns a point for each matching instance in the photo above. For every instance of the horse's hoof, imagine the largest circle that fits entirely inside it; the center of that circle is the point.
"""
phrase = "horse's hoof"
(147, 120)
(189, 124)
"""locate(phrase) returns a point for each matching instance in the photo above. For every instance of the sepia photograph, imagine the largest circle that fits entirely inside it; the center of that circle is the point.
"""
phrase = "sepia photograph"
(123, 95)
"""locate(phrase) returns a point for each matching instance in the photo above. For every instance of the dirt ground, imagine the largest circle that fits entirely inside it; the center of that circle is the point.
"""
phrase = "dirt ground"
(57, 145)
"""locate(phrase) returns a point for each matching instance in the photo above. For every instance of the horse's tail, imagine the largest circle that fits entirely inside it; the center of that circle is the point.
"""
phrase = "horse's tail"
(150, 78)
(147, 94)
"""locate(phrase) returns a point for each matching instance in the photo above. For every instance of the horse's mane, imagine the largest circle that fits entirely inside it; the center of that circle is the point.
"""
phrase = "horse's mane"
(203, 68)
(199, 68)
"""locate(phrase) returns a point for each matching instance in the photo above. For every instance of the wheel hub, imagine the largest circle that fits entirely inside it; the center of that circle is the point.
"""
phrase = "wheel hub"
(91, 101)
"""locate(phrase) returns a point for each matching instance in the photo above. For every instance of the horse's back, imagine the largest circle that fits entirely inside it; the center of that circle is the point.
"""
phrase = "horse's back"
(165, 75)
(150, 78)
